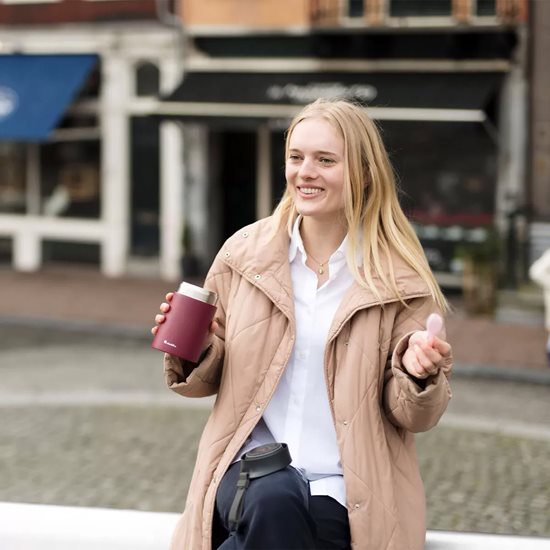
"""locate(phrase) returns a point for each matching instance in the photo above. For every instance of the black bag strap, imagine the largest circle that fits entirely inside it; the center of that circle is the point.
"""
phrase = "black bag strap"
(237, 506)
(258, 462)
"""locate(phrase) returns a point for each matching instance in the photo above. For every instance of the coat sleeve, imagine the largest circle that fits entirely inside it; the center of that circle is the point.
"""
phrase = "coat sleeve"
(203, 378)
(413, 405)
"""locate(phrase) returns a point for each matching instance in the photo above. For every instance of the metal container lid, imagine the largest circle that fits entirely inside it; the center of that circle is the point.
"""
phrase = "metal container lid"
(198, 293)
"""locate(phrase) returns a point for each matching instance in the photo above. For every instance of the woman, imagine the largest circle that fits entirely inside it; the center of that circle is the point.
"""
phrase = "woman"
(319, 343)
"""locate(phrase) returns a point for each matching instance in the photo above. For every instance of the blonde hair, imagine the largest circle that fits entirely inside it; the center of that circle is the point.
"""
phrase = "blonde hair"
(373, 214)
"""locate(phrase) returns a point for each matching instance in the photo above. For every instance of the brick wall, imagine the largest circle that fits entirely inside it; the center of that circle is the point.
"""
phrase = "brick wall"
(76, 11)
(249, 13)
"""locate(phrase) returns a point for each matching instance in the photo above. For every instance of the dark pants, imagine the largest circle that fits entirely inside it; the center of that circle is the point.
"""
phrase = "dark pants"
(279, 514)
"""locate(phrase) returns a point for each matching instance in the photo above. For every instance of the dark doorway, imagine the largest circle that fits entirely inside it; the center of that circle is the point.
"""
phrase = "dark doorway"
(234, 175)
(145, 170)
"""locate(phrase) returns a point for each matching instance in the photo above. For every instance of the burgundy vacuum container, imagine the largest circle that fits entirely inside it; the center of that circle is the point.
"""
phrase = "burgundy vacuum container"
(186, 326)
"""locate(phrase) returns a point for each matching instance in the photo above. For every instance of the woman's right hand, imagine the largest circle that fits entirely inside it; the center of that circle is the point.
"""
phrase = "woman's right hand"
(164, 308)
(161, 318)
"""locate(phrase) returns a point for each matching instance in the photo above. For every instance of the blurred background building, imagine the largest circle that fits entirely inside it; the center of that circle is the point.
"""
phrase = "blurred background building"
(138, 135)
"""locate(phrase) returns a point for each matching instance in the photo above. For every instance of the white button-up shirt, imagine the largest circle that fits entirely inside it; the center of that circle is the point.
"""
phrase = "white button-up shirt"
(299, 411)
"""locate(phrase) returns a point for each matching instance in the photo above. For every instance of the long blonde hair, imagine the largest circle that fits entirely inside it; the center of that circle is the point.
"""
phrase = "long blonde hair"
(373, 214)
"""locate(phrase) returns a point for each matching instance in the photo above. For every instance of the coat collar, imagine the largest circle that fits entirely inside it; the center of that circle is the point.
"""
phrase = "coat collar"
(260, 253)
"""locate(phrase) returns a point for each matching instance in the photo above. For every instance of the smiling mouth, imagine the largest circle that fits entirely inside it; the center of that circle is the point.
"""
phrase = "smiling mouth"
(310, 190)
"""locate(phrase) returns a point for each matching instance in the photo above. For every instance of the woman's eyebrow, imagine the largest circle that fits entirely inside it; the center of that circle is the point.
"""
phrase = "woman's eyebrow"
(294, 149)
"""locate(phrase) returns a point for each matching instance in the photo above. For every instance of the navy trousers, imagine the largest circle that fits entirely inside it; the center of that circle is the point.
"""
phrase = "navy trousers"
(279, 514)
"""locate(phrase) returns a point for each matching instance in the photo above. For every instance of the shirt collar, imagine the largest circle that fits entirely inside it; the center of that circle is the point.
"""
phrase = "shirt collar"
(296, 244)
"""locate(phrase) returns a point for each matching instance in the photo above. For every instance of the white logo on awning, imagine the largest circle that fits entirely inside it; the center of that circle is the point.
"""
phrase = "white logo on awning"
(326, 90)
(8, 101)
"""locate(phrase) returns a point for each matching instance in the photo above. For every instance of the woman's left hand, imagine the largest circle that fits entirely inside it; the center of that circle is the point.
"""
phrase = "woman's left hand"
(426, 355)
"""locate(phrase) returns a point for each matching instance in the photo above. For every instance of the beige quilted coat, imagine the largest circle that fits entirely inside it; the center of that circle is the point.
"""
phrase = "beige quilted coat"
(376, 406)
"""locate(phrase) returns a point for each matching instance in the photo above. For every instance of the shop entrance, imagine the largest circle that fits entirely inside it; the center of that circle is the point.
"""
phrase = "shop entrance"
(233, 180)
(145, 191)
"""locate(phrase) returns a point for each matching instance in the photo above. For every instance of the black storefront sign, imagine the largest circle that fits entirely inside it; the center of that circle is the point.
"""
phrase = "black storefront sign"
(428, 90)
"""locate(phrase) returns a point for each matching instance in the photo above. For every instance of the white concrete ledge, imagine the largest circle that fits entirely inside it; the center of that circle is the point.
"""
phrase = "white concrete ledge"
(42, 527)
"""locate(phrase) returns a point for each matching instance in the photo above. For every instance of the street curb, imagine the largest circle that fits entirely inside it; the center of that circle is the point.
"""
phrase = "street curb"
(101, 328)
(117, 330)
(496, 372)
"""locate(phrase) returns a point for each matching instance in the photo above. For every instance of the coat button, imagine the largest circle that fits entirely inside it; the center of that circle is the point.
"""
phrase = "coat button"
(227, 254)
(257, 277)
(245, 234)
(258, 408)
(356, 506)
(345, 422)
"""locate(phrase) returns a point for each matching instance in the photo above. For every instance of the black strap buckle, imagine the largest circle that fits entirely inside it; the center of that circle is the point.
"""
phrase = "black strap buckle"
(259, 462)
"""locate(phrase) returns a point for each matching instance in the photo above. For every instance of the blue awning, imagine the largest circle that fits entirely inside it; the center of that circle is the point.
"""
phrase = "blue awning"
(35, 91)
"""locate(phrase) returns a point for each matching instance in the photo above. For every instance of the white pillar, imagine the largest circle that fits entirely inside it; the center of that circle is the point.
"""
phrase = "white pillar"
(171, 200)
(196, 197)
(263, 172)
(27, 253)
(115, 164)
(512, 152)
(170, 74)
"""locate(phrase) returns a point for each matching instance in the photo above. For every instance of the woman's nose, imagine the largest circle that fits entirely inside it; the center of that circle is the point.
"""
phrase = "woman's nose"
(307, 169)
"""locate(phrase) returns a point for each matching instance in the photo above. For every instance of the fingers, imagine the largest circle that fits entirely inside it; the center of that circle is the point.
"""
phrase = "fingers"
(444, 348)
(428, 358)
(214, 326)
(412, 365)
(421, 360)
(164, 308)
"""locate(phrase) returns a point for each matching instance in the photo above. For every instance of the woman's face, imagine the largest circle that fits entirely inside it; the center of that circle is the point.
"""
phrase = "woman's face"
(315, 169)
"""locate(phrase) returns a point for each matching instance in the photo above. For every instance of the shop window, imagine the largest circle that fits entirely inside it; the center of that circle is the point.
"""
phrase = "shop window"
(147, 80)
(447, 175)
(486, 7)
(420, 8)
(70, 252)
(12, 178)
(70, 179)
(145, 193)
(6, 250)
(356, 8)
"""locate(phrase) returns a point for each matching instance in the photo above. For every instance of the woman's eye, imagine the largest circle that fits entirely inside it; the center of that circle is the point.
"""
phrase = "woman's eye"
(293, 157)
(324, 160)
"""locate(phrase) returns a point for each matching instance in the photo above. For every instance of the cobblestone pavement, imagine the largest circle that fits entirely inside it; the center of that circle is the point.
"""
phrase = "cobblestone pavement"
(86, 420)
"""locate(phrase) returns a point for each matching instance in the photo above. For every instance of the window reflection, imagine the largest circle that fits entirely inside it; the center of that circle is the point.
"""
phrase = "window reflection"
(12, 178)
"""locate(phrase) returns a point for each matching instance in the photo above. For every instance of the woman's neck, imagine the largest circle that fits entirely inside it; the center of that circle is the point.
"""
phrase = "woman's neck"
(321, 238)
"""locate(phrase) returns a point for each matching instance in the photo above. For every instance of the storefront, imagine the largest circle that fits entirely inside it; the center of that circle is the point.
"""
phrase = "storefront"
(79, 154)
(440, 127)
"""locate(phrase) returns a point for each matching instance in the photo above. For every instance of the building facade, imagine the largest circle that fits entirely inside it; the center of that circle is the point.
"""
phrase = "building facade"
(445, 79)
(171, 134)
(80, 146)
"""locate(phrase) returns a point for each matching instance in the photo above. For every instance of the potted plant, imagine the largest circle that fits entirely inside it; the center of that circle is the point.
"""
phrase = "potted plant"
(480, 273)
